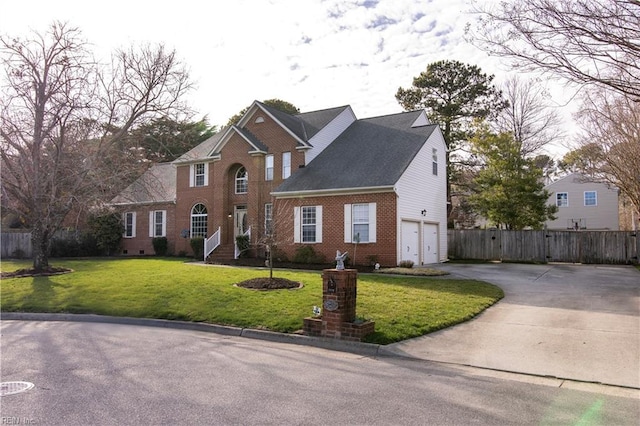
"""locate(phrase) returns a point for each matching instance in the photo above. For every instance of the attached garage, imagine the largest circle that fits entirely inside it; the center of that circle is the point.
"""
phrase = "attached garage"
(429, 243)
(410, 242)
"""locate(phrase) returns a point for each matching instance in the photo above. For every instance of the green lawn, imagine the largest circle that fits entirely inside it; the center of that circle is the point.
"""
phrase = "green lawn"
(402, 306)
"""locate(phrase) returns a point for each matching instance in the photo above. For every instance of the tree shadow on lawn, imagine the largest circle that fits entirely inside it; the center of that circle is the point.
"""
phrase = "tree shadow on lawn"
(44, 295)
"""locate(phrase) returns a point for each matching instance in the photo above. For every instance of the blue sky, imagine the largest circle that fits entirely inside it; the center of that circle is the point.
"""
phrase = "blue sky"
(313, 53)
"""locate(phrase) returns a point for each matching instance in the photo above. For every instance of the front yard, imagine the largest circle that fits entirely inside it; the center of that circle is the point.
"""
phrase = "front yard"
(170, 288)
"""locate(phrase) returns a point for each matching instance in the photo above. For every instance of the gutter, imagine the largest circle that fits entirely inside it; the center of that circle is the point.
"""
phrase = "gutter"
(334, 191)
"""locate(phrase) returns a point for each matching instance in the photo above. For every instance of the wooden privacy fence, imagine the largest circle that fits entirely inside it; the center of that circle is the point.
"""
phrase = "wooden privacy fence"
(15, 244)
(545, 246)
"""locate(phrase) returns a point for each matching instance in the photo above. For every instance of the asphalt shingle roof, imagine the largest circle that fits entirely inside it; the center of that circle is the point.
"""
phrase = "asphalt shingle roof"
(202, 150)
(156, 185)
(371, 152)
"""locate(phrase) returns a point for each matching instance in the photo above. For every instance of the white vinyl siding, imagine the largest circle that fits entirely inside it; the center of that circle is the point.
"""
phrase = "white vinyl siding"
(591, 205)
(307, 223)
(419, 189)
(360, 219)
(199, 175)
(129, 219)
(329, 133)
(158, 223)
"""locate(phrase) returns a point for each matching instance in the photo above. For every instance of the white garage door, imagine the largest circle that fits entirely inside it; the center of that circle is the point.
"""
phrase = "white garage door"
(430, 243)
(410, 242)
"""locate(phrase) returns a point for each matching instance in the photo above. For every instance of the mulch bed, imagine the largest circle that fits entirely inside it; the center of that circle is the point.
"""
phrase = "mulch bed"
(23, 273)
(269, 284)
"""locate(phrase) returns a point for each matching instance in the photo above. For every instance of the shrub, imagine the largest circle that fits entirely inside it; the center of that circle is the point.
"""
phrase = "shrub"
(406, 264)
(197, 245)
(372, 259)
(242, 241)
(107, 230)
(306, 254)
(18, 254)
(160, 246)
(278, 255)
(64, 247)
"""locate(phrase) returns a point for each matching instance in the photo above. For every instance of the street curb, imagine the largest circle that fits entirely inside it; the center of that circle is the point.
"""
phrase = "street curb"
(359, 348)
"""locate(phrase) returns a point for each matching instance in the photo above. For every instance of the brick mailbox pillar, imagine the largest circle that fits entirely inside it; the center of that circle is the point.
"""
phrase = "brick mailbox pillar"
(338, 319)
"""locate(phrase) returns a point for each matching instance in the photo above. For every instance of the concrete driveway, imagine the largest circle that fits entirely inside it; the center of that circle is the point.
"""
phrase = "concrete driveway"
(578, 322)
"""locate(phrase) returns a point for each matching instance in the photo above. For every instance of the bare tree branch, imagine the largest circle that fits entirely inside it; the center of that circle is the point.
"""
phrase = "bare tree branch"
(63, 118)
(609, 147)
(582, 41)
(533, 123)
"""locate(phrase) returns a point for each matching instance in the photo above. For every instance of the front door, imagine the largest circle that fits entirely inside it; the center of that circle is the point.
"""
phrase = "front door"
(240, 220)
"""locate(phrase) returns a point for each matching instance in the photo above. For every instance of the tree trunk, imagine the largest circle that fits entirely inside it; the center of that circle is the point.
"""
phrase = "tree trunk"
(270, 263)
(40, 246)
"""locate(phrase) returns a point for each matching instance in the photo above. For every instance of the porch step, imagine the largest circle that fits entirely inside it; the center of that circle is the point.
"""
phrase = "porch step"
(223, 253)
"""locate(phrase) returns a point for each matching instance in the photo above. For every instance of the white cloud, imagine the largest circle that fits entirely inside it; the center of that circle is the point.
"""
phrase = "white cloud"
(315, 53)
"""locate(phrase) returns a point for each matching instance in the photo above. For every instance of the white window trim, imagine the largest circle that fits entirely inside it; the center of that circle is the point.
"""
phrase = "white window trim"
(191, 216)
(192, 175)
(434, 161)
(348, 223)
(267, 167)
(286, 165)
(268, 218)
(133, 224)
(236, 179)
(297, 225)
(558, 193)
(152, 223)
(584, 199)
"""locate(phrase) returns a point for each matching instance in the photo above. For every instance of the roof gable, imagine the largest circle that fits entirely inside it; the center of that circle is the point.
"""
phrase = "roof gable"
(255, 144)
(315, 121)
(372, 152)
(288, 122)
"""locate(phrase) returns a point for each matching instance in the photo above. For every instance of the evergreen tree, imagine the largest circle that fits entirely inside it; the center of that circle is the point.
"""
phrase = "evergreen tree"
(454, 95)
(509, 188)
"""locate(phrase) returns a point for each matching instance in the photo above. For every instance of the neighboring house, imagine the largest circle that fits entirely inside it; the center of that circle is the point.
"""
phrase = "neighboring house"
(148, 210)
(583, 204)
(321, 179)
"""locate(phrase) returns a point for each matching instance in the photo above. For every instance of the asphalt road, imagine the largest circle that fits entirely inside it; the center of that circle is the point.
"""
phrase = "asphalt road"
(111, 374)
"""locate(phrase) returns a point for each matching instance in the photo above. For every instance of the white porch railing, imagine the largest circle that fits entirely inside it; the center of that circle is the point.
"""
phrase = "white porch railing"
(236, 253)
(211, 243)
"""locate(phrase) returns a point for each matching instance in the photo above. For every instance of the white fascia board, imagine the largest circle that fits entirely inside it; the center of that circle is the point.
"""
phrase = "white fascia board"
(256, 105)
(334, 191)
(142, 203)
(225, 138)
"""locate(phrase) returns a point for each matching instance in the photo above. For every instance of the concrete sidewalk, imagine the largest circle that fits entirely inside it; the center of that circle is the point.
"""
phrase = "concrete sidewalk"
(577, 322)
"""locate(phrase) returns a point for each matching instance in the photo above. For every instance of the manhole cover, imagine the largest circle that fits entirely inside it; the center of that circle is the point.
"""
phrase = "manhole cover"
(10, 388)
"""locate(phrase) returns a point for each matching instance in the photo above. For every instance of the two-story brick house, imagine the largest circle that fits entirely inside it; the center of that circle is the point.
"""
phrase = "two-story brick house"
(322, 179)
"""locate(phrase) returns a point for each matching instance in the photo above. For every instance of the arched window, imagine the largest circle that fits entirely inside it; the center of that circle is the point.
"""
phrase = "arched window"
(199, 221)
(242, 180)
